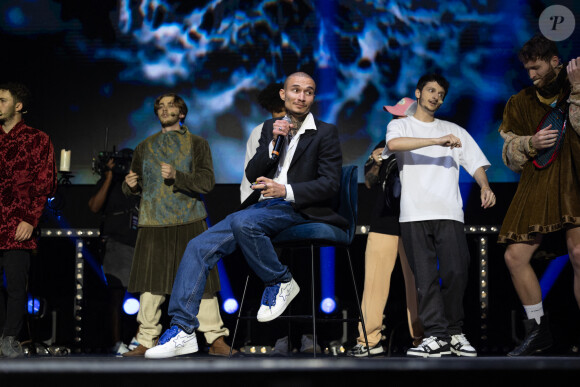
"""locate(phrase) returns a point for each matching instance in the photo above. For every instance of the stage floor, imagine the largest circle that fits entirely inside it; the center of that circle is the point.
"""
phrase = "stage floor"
(102, 370)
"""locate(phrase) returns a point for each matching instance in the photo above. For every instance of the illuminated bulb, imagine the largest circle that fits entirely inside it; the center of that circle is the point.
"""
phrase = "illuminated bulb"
(230, 305)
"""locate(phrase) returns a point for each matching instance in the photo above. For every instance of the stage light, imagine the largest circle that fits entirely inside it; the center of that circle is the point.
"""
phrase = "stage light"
(327, 275)
(36, 306)
(552, 272)
(131, 305)
(328, 305)
(230, 306)
(33, 305)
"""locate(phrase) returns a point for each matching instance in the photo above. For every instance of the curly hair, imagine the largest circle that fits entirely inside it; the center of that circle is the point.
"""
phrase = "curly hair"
(538, 48)
(269, 97)
(19, 92)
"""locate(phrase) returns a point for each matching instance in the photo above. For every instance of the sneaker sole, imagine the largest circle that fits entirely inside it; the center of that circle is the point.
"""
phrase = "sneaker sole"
(373, 351)
(293, 293)
(149, 354)
(467, 354)
(426, 355)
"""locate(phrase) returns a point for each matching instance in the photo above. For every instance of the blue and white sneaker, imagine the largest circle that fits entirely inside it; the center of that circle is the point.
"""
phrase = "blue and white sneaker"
(174, 342)
(275, 300)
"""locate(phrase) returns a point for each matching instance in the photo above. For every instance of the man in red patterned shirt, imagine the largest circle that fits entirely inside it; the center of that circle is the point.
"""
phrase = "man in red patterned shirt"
(27, 178)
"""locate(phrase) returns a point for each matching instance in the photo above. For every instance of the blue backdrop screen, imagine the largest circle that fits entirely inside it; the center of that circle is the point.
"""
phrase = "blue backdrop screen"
(96, 66)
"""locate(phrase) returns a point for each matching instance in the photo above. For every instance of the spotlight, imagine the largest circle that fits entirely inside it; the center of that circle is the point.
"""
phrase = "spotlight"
(328, 305)
(230, 306)
(131, 306)
(33, 306)
(36, 307)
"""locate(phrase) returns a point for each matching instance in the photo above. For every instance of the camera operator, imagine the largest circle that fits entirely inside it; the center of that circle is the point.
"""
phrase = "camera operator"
(118, 232)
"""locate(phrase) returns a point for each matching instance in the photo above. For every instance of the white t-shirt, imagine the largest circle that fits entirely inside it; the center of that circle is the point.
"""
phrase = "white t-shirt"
(430, 175)
(251, 147)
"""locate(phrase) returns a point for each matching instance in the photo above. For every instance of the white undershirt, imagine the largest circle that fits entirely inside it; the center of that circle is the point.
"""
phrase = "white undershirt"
(281, 175)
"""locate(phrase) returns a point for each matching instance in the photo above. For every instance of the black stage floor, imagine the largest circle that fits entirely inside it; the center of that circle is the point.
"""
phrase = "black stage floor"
(197, 370)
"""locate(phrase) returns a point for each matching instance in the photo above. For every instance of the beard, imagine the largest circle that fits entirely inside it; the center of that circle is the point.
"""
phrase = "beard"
(552, 82)
(424, 103)
(169, 121)
(6, 117)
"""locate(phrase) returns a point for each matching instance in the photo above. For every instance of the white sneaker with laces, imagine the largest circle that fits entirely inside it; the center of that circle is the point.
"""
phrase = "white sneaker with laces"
(430, 347)
(460, 346)
(174, 342)
(275, 300)
(360, 350)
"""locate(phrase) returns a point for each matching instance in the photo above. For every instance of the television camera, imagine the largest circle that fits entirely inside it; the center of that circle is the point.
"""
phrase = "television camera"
(121, 159)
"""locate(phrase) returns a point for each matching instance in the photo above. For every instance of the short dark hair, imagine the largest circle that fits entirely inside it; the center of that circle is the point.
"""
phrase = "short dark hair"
(177, 101)
(538, 47)
(440, 79)
(269, 97)
(19, 92)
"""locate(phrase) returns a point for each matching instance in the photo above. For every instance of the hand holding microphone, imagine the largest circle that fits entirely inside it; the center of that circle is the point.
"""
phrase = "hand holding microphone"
(283, 125)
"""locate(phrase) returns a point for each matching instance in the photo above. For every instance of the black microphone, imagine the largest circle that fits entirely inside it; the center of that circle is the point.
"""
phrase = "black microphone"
(279, 142)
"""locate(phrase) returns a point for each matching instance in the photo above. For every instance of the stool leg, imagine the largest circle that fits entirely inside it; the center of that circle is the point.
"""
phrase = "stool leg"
(313, 297)
(239, 314)
(362, 320)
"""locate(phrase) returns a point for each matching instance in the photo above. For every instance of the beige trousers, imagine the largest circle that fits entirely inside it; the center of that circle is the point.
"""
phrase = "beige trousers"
(210, 321)
(380, 258)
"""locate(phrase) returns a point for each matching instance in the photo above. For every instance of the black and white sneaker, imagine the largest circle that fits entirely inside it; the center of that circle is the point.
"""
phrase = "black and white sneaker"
(360, 350)
(461, 347)
(430, 347)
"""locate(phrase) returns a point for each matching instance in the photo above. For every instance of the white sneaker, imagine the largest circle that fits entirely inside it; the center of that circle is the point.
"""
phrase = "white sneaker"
(430, 347)
(360, 350)
(275, 300)
(173, 342)
(461, 347)
(121, 349)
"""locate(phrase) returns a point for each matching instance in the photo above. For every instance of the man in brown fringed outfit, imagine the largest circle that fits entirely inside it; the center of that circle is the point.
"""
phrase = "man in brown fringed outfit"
(547, 200)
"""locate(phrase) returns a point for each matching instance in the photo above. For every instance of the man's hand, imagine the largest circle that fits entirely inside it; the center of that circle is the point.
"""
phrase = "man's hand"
(131, 179)
(450, 141)
(110, 166)
(573, 70)
(487, 197)
(167, 171)
(23, 232)
(269, 188)
(281, 128)
(544, 138)
(376, 155)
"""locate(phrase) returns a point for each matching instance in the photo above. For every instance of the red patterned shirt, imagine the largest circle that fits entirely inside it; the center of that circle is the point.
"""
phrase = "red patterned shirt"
(27, 179)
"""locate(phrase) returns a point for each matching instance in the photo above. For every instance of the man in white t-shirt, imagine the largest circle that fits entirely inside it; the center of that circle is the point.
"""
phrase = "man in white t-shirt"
(429, 153)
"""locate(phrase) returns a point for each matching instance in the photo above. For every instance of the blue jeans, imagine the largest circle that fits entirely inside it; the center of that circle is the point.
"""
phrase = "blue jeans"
(249, 230)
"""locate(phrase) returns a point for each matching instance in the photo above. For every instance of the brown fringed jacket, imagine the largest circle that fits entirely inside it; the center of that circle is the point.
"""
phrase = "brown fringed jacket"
(546, 199)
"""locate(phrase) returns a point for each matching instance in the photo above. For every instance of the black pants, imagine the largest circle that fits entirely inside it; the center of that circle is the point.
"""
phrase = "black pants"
(14, 264)
(440, 290)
